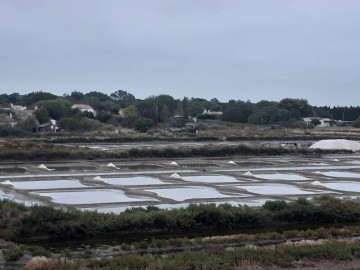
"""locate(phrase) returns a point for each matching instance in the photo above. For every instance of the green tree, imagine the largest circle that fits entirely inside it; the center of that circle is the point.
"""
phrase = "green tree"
(35, 97)
(42, 115)
(57, 108)
(167, 100)
(77, 123)
(143, 124)
(298, 107)
(131, 114)
(28, 124)
(123, 98)
(148, 108)
(196, 107)
(268, 115)
(76, 96)
(165, 114)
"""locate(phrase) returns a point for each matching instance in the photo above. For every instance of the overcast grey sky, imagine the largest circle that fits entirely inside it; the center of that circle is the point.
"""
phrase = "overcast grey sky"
(228, 49)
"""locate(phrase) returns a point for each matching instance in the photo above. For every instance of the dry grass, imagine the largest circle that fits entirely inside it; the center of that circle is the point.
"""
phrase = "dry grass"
(44, 263)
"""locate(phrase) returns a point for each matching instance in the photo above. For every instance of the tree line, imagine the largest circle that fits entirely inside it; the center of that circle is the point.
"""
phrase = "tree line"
(124, 109)
(38, 222)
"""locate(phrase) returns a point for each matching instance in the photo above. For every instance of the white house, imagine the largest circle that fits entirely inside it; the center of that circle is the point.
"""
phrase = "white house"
(84, 108)
(17, 107)
(324, 122)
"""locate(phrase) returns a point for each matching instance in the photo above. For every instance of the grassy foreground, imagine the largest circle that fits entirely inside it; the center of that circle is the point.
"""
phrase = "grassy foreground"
(284, 256)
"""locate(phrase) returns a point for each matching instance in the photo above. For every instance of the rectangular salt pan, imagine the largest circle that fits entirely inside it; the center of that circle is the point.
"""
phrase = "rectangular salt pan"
(210, 179)
(34, 185)
(281, 176)
(343, 186)
(342, 174)
(276, 190)
(186, 193)
(93, 197)
(133, 181)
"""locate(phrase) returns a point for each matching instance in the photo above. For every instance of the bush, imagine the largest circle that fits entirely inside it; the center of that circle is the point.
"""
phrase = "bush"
(13, 253)
(40, 251)
(143, 124)
(357, 123)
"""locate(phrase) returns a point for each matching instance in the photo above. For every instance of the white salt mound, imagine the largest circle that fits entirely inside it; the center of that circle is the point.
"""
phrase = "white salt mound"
(318, 172)
(175, 175)
(316, 183)
(337, 144)
(112, 165)
(98, 178)
(174, 164)
(335, 159)
(43, 166)
(248, 173)
(232, 162)
(7, 182)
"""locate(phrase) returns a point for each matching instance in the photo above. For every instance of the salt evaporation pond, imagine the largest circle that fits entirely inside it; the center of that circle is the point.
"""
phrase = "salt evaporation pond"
(341, 174)
(133, 181)
(93, 197)
(281, 176)
(210, 179)
(34, 185)
(186, 193)
(343, 186)
(274, 189)
(12, 197)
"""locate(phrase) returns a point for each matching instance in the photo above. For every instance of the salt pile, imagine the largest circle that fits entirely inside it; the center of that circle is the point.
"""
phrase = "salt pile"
(232, 162)
(318, 172)
(175, 175)
(316, 183)
(337, 144)
(98, 178)
(248, 173)
(43, 166)
(7, 182)
(112, 165)
(174, 164)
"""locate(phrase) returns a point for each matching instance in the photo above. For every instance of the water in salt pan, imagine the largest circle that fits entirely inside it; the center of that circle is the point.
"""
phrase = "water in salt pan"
(133, 181)
(342, 174)
(186, 193)
(344, 186)
(93, 197)
(210, 179)
(281, 176)
(274, 189)
(34, 185)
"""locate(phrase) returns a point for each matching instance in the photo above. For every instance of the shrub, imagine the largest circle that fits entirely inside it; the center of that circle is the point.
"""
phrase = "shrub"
(13, 253)
(143, 124)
